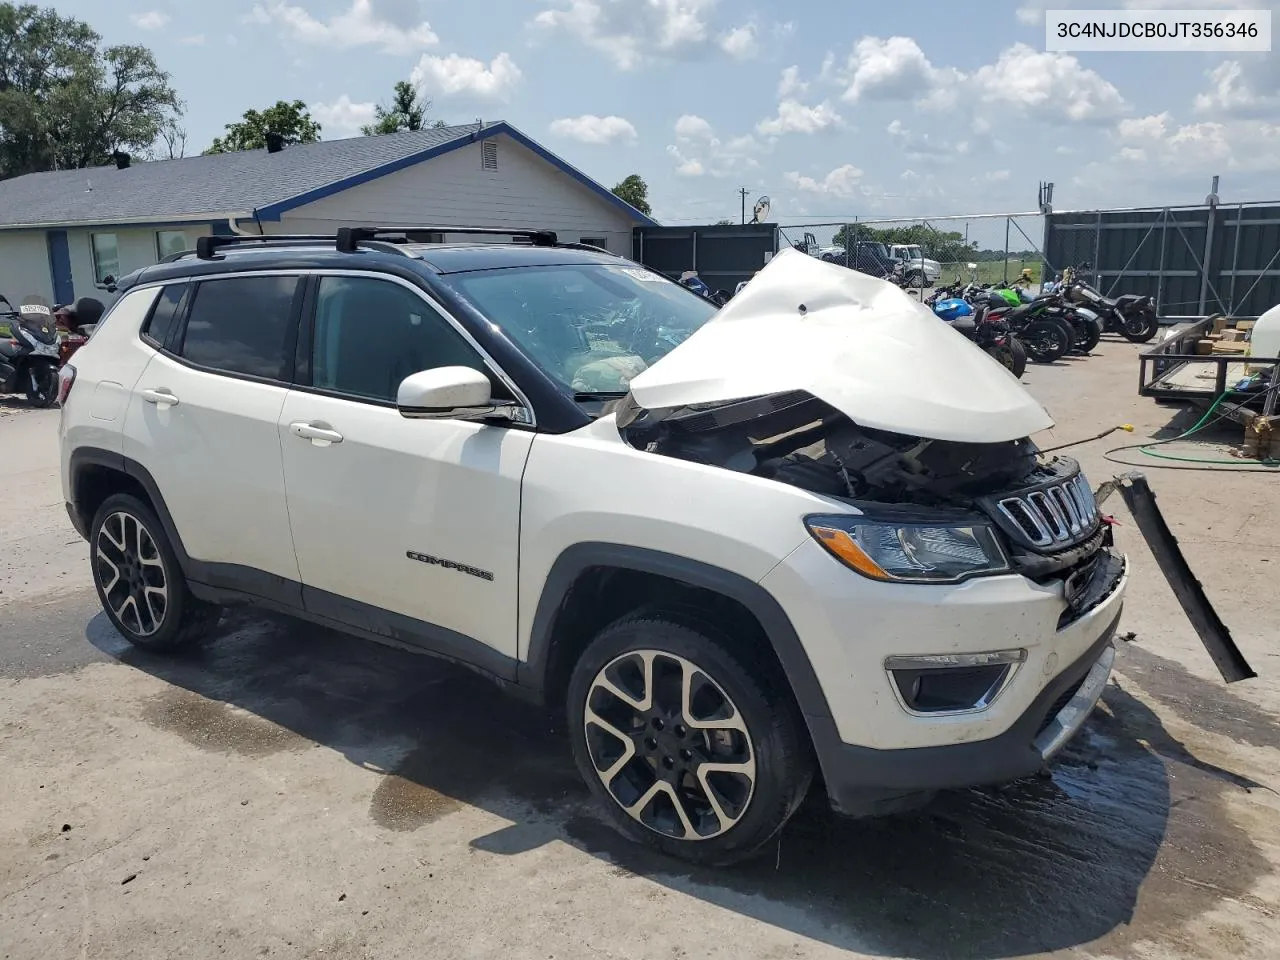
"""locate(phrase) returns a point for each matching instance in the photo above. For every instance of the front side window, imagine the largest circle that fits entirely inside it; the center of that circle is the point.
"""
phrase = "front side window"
(590, 327)
(169, 242)
(243, 325)
(370, 334)
(106, 257)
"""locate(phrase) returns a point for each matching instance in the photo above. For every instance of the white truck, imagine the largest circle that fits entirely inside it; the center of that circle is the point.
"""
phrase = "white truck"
(919, 271)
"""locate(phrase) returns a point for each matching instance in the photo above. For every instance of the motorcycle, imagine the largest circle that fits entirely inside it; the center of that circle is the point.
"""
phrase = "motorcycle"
(29, 355)
(1131, 315)
(692, 281)
(989, 332)
(76, 323)
(1085, 324)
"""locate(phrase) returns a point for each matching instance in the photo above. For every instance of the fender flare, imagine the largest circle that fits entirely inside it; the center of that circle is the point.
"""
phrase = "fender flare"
(575, 560)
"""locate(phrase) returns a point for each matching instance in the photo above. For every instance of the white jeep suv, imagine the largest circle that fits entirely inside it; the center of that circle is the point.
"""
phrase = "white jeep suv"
(804, 535)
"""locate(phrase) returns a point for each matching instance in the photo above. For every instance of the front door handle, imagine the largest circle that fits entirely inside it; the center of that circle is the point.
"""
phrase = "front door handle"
(320, 434)
(161, 397)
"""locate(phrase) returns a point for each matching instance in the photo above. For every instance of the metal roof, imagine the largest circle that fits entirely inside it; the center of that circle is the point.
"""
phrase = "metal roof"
(241, 183)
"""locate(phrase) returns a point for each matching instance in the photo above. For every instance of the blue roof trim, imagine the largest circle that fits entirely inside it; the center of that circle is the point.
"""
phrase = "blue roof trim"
(272, 211)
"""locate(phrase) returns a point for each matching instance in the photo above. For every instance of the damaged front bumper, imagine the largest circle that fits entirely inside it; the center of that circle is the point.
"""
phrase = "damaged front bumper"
(1213, 633)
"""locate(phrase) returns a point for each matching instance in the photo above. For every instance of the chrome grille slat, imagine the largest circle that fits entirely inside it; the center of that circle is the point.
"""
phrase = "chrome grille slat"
(1056, 515)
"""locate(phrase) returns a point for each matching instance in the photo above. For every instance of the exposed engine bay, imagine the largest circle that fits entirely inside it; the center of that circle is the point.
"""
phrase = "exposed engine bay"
(797, 439)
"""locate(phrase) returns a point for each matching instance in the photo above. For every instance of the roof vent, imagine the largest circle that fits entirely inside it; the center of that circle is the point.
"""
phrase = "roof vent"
(121, 159)
(488, 155)
(275, 142)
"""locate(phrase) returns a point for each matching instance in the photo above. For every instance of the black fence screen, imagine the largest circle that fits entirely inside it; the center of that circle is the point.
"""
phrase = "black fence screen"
(723, 255)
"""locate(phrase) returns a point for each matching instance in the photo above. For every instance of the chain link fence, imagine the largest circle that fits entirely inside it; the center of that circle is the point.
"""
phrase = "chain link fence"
(986, 248)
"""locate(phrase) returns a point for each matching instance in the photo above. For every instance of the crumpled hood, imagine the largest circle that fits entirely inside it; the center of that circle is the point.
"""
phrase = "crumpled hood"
(860, 344)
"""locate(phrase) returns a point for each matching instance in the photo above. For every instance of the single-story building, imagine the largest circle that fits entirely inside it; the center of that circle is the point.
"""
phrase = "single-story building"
(63, 232)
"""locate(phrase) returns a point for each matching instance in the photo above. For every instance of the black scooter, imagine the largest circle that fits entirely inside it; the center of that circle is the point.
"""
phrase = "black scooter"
(1131, 315)
(29, 354)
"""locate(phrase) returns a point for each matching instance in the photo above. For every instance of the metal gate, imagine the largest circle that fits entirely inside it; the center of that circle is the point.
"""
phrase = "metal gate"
(1193, 260)
(724, 255)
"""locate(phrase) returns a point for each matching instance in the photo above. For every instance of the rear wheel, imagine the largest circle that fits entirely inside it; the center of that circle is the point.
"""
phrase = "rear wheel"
(917, 280)
(1011, 354)
(1047, 340)
(680, 742)
(41, 384)
(1140, 327)
(139, 581)
(1088, 334)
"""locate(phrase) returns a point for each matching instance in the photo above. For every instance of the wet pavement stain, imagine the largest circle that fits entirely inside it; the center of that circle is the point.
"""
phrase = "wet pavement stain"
(211, 725)
(1046, 864)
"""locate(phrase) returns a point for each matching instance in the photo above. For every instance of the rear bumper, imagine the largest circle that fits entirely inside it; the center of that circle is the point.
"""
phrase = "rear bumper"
(863, 781)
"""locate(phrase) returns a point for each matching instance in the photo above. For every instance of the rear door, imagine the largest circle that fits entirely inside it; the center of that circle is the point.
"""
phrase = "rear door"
(203, 418)
(406, 528)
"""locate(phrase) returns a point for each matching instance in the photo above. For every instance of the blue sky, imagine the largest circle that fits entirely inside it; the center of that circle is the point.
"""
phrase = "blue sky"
(834, 108)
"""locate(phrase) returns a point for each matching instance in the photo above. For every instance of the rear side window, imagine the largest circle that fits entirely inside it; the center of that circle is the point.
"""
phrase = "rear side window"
(164, 314)
(243, 325)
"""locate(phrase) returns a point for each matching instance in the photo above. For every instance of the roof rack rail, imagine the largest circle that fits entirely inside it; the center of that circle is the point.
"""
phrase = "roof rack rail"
(207, 247)
(349, 238)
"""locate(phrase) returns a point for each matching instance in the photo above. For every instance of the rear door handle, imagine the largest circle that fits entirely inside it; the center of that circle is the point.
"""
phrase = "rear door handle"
(320, 434)
(162, 398)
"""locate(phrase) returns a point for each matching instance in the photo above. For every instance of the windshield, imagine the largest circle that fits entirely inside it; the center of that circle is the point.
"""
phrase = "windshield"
(591, 327)
(912, 253)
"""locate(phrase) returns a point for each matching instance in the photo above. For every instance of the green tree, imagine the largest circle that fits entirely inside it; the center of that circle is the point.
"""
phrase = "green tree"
(65, 102)
(636, 192)
(291, 120)
(406, 112)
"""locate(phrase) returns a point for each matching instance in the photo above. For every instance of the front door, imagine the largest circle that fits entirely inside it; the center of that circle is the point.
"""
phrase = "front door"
(60, 266)
(405, 528)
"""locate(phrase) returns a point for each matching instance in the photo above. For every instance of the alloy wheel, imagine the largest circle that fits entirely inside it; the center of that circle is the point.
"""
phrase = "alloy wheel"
(669, 745)
(131, 572)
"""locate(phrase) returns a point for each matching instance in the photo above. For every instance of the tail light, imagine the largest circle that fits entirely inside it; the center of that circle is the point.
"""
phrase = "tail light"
(66, 380)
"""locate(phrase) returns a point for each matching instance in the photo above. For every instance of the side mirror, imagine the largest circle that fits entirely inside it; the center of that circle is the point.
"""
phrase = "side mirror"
(451, 393)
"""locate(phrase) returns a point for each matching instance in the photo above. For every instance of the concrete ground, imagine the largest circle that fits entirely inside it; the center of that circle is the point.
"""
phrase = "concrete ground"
(294, 794)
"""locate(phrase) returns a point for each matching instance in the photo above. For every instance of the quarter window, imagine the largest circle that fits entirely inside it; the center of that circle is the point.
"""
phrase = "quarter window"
(243, 325)
(164, 313)
(370, 334)
(106, 257)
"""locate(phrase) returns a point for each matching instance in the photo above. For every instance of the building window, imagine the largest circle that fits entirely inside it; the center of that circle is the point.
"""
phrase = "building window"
(169, 242)
(488, 155)
(106, 257)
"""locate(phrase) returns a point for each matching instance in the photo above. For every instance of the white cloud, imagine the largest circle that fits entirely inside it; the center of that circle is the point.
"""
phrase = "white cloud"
(896, 69)
(686, 166)
(1241, 89)
(795, 117)
(996, 176)
(342, 115)
(149, 20)
(1028, 79)
(692, 127)
(1204, 141)
(840, 182)
(1144, 128)
(923, 148)
(394, 26)
(700, 151)
(1133, 154)
(781, 31)
(631, 32)
(740, 43)
(791, 85)
(453, 75)
(589, 128)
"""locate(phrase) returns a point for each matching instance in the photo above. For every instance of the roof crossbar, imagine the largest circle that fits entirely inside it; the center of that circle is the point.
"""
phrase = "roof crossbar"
(207, 247)
(349, 238)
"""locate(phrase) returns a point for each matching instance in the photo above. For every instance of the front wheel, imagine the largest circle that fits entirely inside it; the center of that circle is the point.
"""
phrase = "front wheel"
(1140, 327)
(917, 280)
(1088, 334)
(42, 385)
(680, 742)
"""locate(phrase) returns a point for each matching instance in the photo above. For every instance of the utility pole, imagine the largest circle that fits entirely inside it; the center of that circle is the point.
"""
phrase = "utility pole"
(743, 191)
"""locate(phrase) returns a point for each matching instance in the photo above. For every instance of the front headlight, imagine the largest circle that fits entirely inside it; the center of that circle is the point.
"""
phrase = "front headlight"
(910, 552)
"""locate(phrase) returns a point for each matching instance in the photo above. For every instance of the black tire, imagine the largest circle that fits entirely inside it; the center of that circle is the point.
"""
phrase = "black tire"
(145, 565)
(41, 385)
(772, 741)
(1047, 340)
(1011, 354)
(1140, 328)
(915, 278)
(1088, 334)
